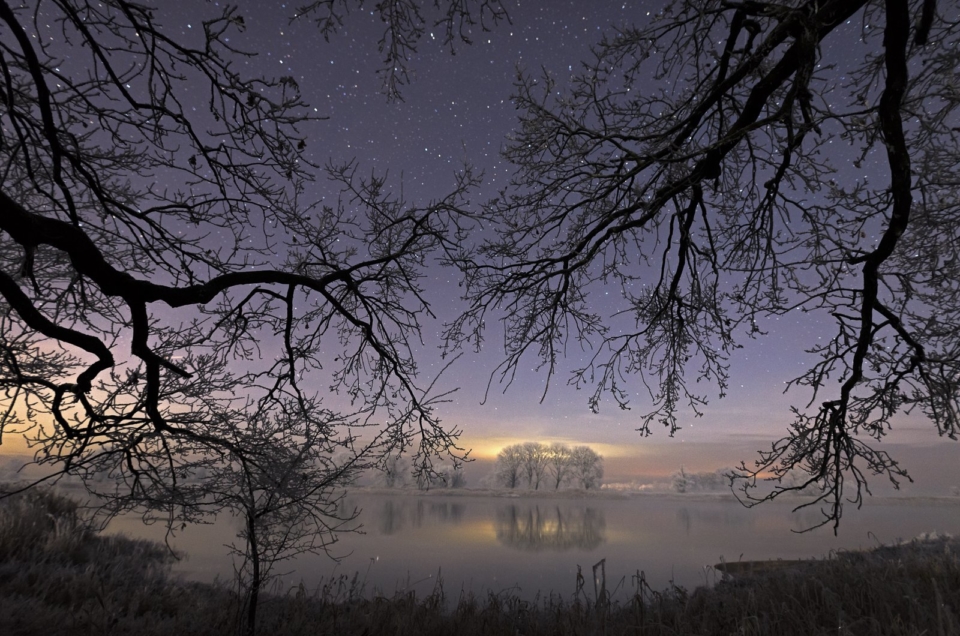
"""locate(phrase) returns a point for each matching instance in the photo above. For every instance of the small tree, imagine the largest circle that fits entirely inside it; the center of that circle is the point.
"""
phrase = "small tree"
(586, 467)
(454, 477)
(443, 475)
(394, 472)
(286, 492)
(509, 467)
(535, 459)
(680, 481)
(708, 481)
(559, 460)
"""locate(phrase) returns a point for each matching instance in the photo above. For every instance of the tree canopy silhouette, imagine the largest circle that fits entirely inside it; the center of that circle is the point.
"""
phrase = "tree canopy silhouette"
(732, 160)
(165, 282)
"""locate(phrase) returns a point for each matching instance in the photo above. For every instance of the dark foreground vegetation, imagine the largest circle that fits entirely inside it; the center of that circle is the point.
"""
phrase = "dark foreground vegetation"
(57, 576)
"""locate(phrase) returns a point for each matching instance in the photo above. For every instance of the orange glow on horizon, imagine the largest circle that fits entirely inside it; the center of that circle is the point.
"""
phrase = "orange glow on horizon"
(489, 447)
(14, 442)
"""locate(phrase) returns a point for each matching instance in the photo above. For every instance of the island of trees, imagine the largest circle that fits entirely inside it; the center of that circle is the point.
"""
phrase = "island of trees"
(535, 465)
(532, 465)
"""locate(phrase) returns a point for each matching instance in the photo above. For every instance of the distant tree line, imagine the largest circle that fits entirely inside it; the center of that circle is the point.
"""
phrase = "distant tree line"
(398, 472)
(533, 464)
(710, 481)
(719, 480)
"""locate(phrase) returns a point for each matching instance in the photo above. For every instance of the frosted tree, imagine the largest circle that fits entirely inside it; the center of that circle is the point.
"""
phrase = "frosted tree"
(586, 467)
(536, 457)
(559, 459)
(508, 470)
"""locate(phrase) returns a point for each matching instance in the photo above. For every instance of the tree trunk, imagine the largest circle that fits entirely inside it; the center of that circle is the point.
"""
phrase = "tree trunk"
(253, 554)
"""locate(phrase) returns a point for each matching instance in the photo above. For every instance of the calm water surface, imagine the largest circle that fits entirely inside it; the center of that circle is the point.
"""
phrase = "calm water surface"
(530, 545)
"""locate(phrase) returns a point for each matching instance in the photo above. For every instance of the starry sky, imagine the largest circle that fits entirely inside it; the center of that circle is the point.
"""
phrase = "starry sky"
(458, 108)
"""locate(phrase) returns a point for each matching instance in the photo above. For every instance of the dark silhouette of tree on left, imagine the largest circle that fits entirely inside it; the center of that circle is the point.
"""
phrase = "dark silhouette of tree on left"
(170, 299)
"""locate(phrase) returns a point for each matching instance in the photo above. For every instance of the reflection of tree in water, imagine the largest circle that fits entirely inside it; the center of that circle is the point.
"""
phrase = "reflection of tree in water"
(442, 513)
(532, 528)
(395, 514)
(709, 516)
(390, 517)
(683, 517)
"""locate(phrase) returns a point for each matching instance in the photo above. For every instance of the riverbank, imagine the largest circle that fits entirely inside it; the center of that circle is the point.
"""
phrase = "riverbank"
(618, 493)
(58, 577)
(74, 488)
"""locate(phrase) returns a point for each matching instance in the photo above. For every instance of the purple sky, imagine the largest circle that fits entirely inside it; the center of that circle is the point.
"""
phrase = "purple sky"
(458, 107)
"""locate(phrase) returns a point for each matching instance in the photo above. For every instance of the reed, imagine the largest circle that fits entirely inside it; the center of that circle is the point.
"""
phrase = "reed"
(59, 577)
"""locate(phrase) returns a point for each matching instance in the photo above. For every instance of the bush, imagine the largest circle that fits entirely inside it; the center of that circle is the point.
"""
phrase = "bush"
(40, 521)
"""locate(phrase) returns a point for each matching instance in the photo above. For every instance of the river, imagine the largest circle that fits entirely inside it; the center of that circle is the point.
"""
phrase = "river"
(530, 545)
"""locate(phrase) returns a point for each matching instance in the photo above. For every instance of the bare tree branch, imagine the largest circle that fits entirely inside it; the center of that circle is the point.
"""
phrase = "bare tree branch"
(707, 170)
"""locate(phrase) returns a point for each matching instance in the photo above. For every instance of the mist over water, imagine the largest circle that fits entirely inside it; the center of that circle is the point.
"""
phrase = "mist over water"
(533, 545)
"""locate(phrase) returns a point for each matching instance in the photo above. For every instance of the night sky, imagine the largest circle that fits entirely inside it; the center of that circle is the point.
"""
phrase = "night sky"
(458, 108)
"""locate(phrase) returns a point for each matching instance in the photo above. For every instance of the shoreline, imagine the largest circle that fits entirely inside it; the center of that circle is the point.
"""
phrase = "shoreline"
(58, 577)
(611, 494)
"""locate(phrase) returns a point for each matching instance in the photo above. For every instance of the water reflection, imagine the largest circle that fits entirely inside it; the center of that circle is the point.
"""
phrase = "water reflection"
(395, 515)
(532, 527)
(491, 543)
(730, 517)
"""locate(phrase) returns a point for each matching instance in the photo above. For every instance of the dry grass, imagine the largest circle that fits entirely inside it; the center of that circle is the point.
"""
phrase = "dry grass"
(58, 577)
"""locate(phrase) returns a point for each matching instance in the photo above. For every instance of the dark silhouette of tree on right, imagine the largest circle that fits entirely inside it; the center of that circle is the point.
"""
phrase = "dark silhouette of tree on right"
(731, 161)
